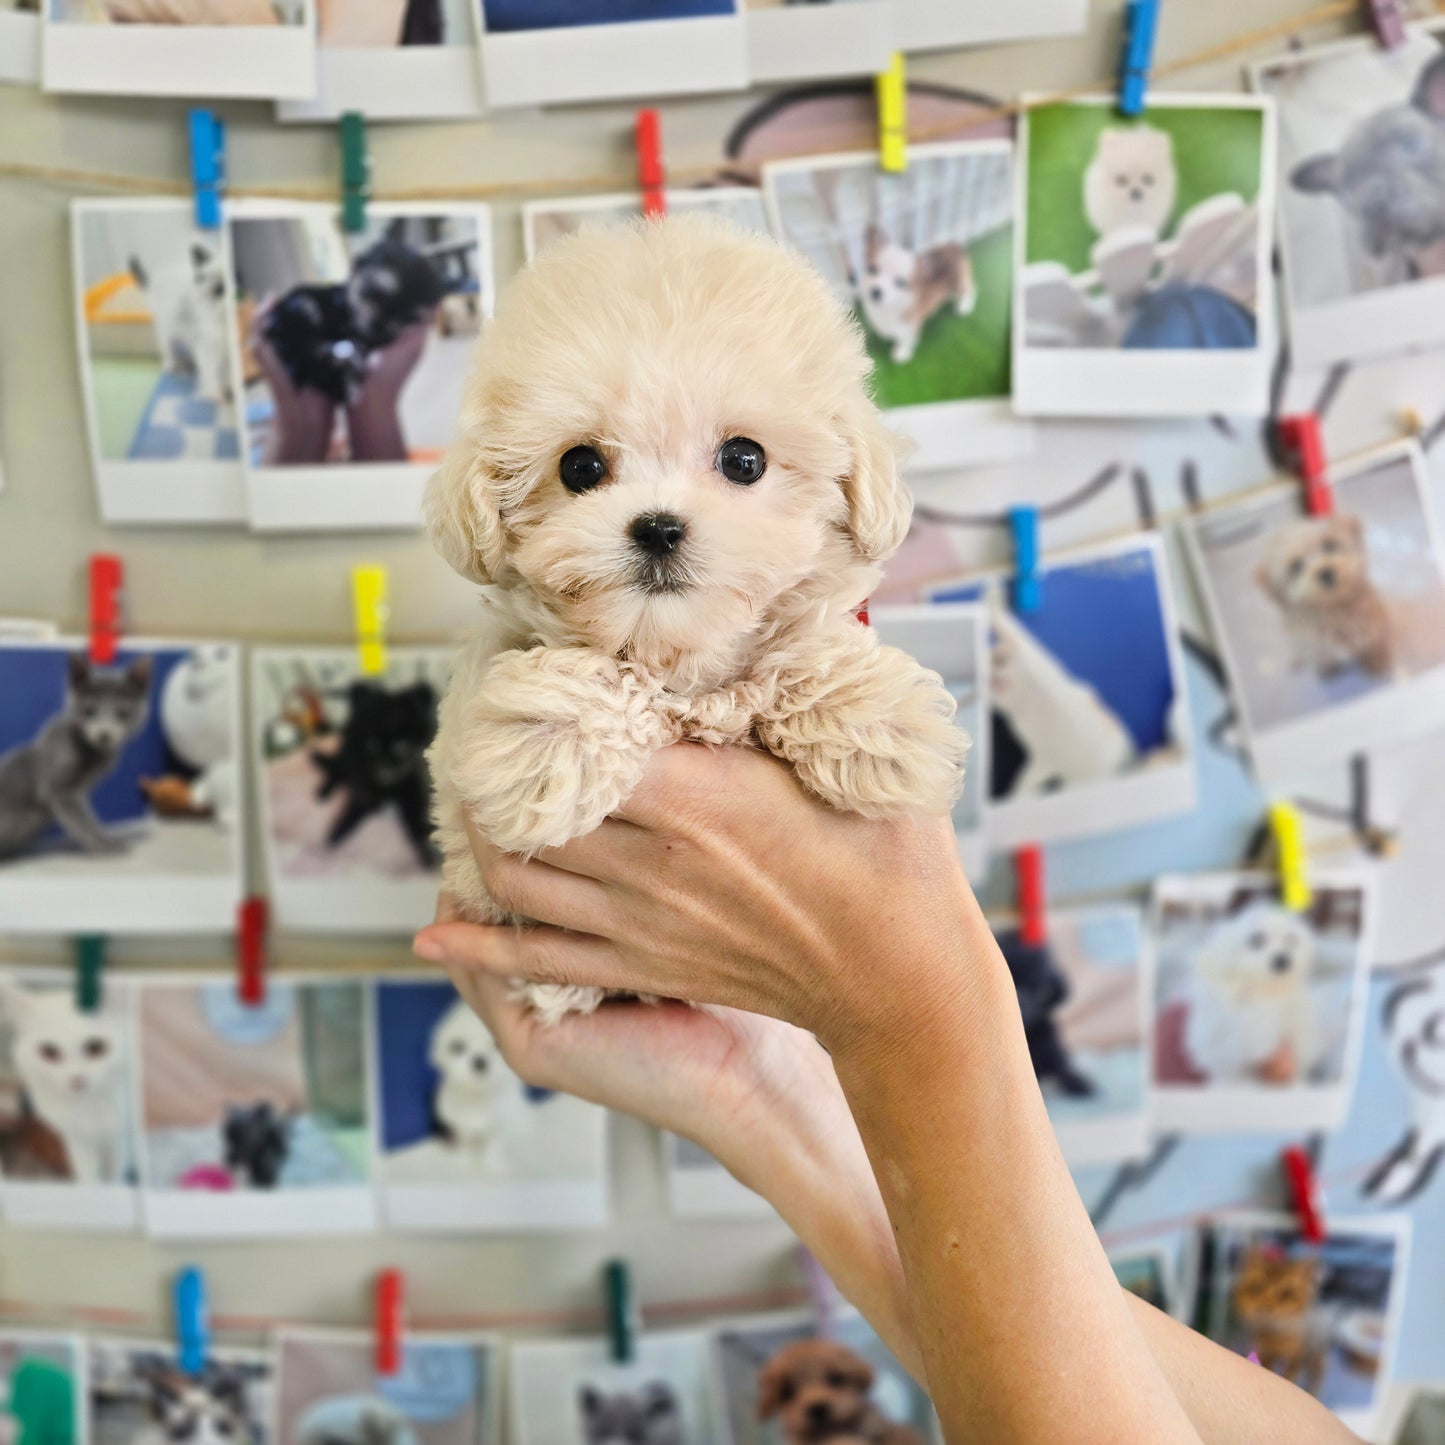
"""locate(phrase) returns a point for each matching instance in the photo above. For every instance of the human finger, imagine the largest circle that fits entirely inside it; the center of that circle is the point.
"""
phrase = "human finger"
(529, 888)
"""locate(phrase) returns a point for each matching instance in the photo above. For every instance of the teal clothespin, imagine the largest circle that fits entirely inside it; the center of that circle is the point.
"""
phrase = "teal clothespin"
(1027, 590)
(89, 962)
(1141, 22)
(622, 1319)
(193, 1329)
(355, 171)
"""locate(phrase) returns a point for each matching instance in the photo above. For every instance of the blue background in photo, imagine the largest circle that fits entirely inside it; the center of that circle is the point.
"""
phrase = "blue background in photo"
(32, 691)
(1105, 622)
(553, 14)
(406, 1013)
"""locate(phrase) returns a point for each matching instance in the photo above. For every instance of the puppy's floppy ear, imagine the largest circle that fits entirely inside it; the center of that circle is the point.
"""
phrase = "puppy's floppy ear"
(462, 515)
(879, 507)
(771, 1379)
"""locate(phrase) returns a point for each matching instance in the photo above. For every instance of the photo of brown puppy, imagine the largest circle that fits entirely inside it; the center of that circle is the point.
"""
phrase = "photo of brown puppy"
(1273, 1297)
(818, 1392)
(901, 290)
(1317, 572)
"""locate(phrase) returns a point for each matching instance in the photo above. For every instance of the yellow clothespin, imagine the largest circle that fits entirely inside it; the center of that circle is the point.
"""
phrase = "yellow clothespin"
(892, 89)
(1289, 848)
(368, 597)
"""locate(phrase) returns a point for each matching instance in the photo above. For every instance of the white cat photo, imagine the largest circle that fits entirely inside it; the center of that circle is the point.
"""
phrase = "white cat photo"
(65, 1105)
(187, 300)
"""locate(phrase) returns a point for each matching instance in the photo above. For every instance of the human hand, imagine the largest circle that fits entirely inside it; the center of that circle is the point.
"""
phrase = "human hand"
(722, 881)
(303, 419)
(373, 419)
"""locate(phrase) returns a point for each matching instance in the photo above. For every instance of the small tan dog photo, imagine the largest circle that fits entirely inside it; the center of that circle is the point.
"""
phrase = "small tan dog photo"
(675, 491)
(817, 1390)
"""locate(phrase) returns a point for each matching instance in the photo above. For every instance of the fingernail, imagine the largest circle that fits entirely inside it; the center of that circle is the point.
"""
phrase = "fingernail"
(428, 948)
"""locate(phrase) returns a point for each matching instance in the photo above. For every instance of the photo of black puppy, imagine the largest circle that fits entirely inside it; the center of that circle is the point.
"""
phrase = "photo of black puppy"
(1042, 989)
(257, 1141)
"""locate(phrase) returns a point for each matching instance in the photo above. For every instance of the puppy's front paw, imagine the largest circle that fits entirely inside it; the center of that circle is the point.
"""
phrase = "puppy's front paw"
(552, 1002)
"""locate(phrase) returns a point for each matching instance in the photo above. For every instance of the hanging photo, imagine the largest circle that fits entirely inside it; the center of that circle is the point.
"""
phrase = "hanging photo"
(783, 1382)
(352, 350)
(345, 792)
(67, 1139)
(925, 260)
(933, 24)
(120, 806)
(1332, 628)
(155, 363)
(447, 1391)
(254, 1118)
(1147, 1275)
(1325, 1316)
(393, 60)
(202, 48)
(698, 1187)
(1144, 284)
(1084, 995)
(817, 39)
(1417, 1415)
(1362, 195)
(951, 639)
(463, 1144)
(1089, 727)
(138, 1391)
(20, 42)
(568, 51)
(1258, 1011)
(42, 1387)
(546, 221)
(571, 1392)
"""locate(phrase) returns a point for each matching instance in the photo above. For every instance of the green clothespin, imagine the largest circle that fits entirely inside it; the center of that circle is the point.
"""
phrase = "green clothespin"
(355, 171)
(89, 961)
(622, 1321)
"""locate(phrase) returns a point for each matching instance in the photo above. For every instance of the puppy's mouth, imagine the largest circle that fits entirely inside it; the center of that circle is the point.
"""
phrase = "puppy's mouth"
(661, 577)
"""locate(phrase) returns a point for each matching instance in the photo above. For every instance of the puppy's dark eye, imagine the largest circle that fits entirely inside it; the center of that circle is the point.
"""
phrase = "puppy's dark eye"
(1147, 179)
(581, 468)
(1257, 940)
(1296, 567)
(741, 461)
(837, 1380)
(786, 1391)
(1329, 545)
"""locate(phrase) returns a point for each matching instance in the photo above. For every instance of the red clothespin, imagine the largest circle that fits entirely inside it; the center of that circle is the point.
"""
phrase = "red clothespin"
(390, 1304)
(651, 174)
(251, 951)
(107, 576)
(1304, 1192)
(1029, 872)
(1388, 18)
(1300, 436)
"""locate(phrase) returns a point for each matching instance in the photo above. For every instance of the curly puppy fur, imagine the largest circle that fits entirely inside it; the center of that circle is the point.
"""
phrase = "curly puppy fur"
(654, 345)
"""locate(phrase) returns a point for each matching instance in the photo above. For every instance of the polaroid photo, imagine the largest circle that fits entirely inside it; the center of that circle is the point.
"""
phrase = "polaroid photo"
(1413, 1414)
(447, 1391)
(1144, 282)
(207, 48)
(932, 24)
(152, 323)
(138, 1392)
(67, 1136)
(1332, 628)
(1258, 1011)
(1324, 1316)
(536, 52)
(29, 629)
(120, 799)
(546, 221)
(563, 1391)
(352, 350)
(344, 788)
(698, 1187)
(1089, 723)
(1362, 195)
(1085, 996)
(925, 261)
(393, 60)
(774, 1370)
(1148, 1274)
(20, 42)
(42, 1387)
(254, 1118)
(817, 39)
(463, 1145)
(952, 639)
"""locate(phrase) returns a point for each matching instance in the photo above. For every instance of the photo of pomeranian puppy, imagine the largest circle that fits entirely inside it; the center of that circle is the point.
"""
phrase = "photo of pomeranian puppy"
(1131, 181)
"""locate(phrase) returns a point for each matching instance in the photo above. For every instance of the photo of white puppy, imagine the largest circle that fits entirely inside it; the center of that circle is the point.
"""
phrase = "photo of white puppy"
(480, 1106)
(1131, 181)
(1258, 1010)
(187, 298)
(901, 289)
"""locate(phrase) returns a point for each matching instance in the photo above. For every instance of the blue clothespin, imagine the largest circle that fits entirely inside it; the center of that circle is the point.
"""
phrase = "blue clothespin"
(193, 1329)
(1141, 20)
(208, 167)
(1028, 584)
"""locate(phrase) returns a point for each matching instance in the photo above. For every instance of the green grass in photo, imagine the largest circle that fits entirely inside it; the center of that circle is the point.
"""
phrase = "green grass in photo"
(1216, 151)
(959, 358)
(122, 388)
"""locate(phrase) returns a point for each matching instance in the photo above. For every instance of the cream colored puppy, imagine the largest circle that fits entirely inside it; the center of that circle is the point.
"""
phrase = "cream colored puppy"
(674, 489)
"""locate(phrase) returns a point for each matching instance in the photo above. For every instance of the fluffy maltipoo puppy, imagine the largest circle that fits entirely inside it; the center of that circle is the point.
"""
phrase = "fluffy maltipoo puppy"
(676, 493)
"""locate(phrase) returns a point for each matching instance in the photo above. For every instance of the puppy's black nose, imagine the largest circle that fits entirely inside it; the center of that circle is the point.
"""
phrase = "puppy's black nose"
(658, 533)
(1136, 194)
(1280, 963)
(479, 1064)
(818, 1412)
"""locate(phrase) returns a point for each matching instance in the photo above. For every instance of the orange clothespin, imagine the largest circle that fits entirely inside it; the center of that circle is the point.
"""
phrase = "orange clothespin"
(1029, 873)
(1300, 436)
(107, 576)
(651, 173)
(390, 1305)
(251, 951)
(1304, 1192)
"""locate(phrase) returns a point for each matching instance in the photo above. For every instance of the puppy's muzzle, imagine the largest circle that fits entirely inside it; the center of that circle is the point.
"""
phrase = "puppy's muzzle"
(658, 539)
